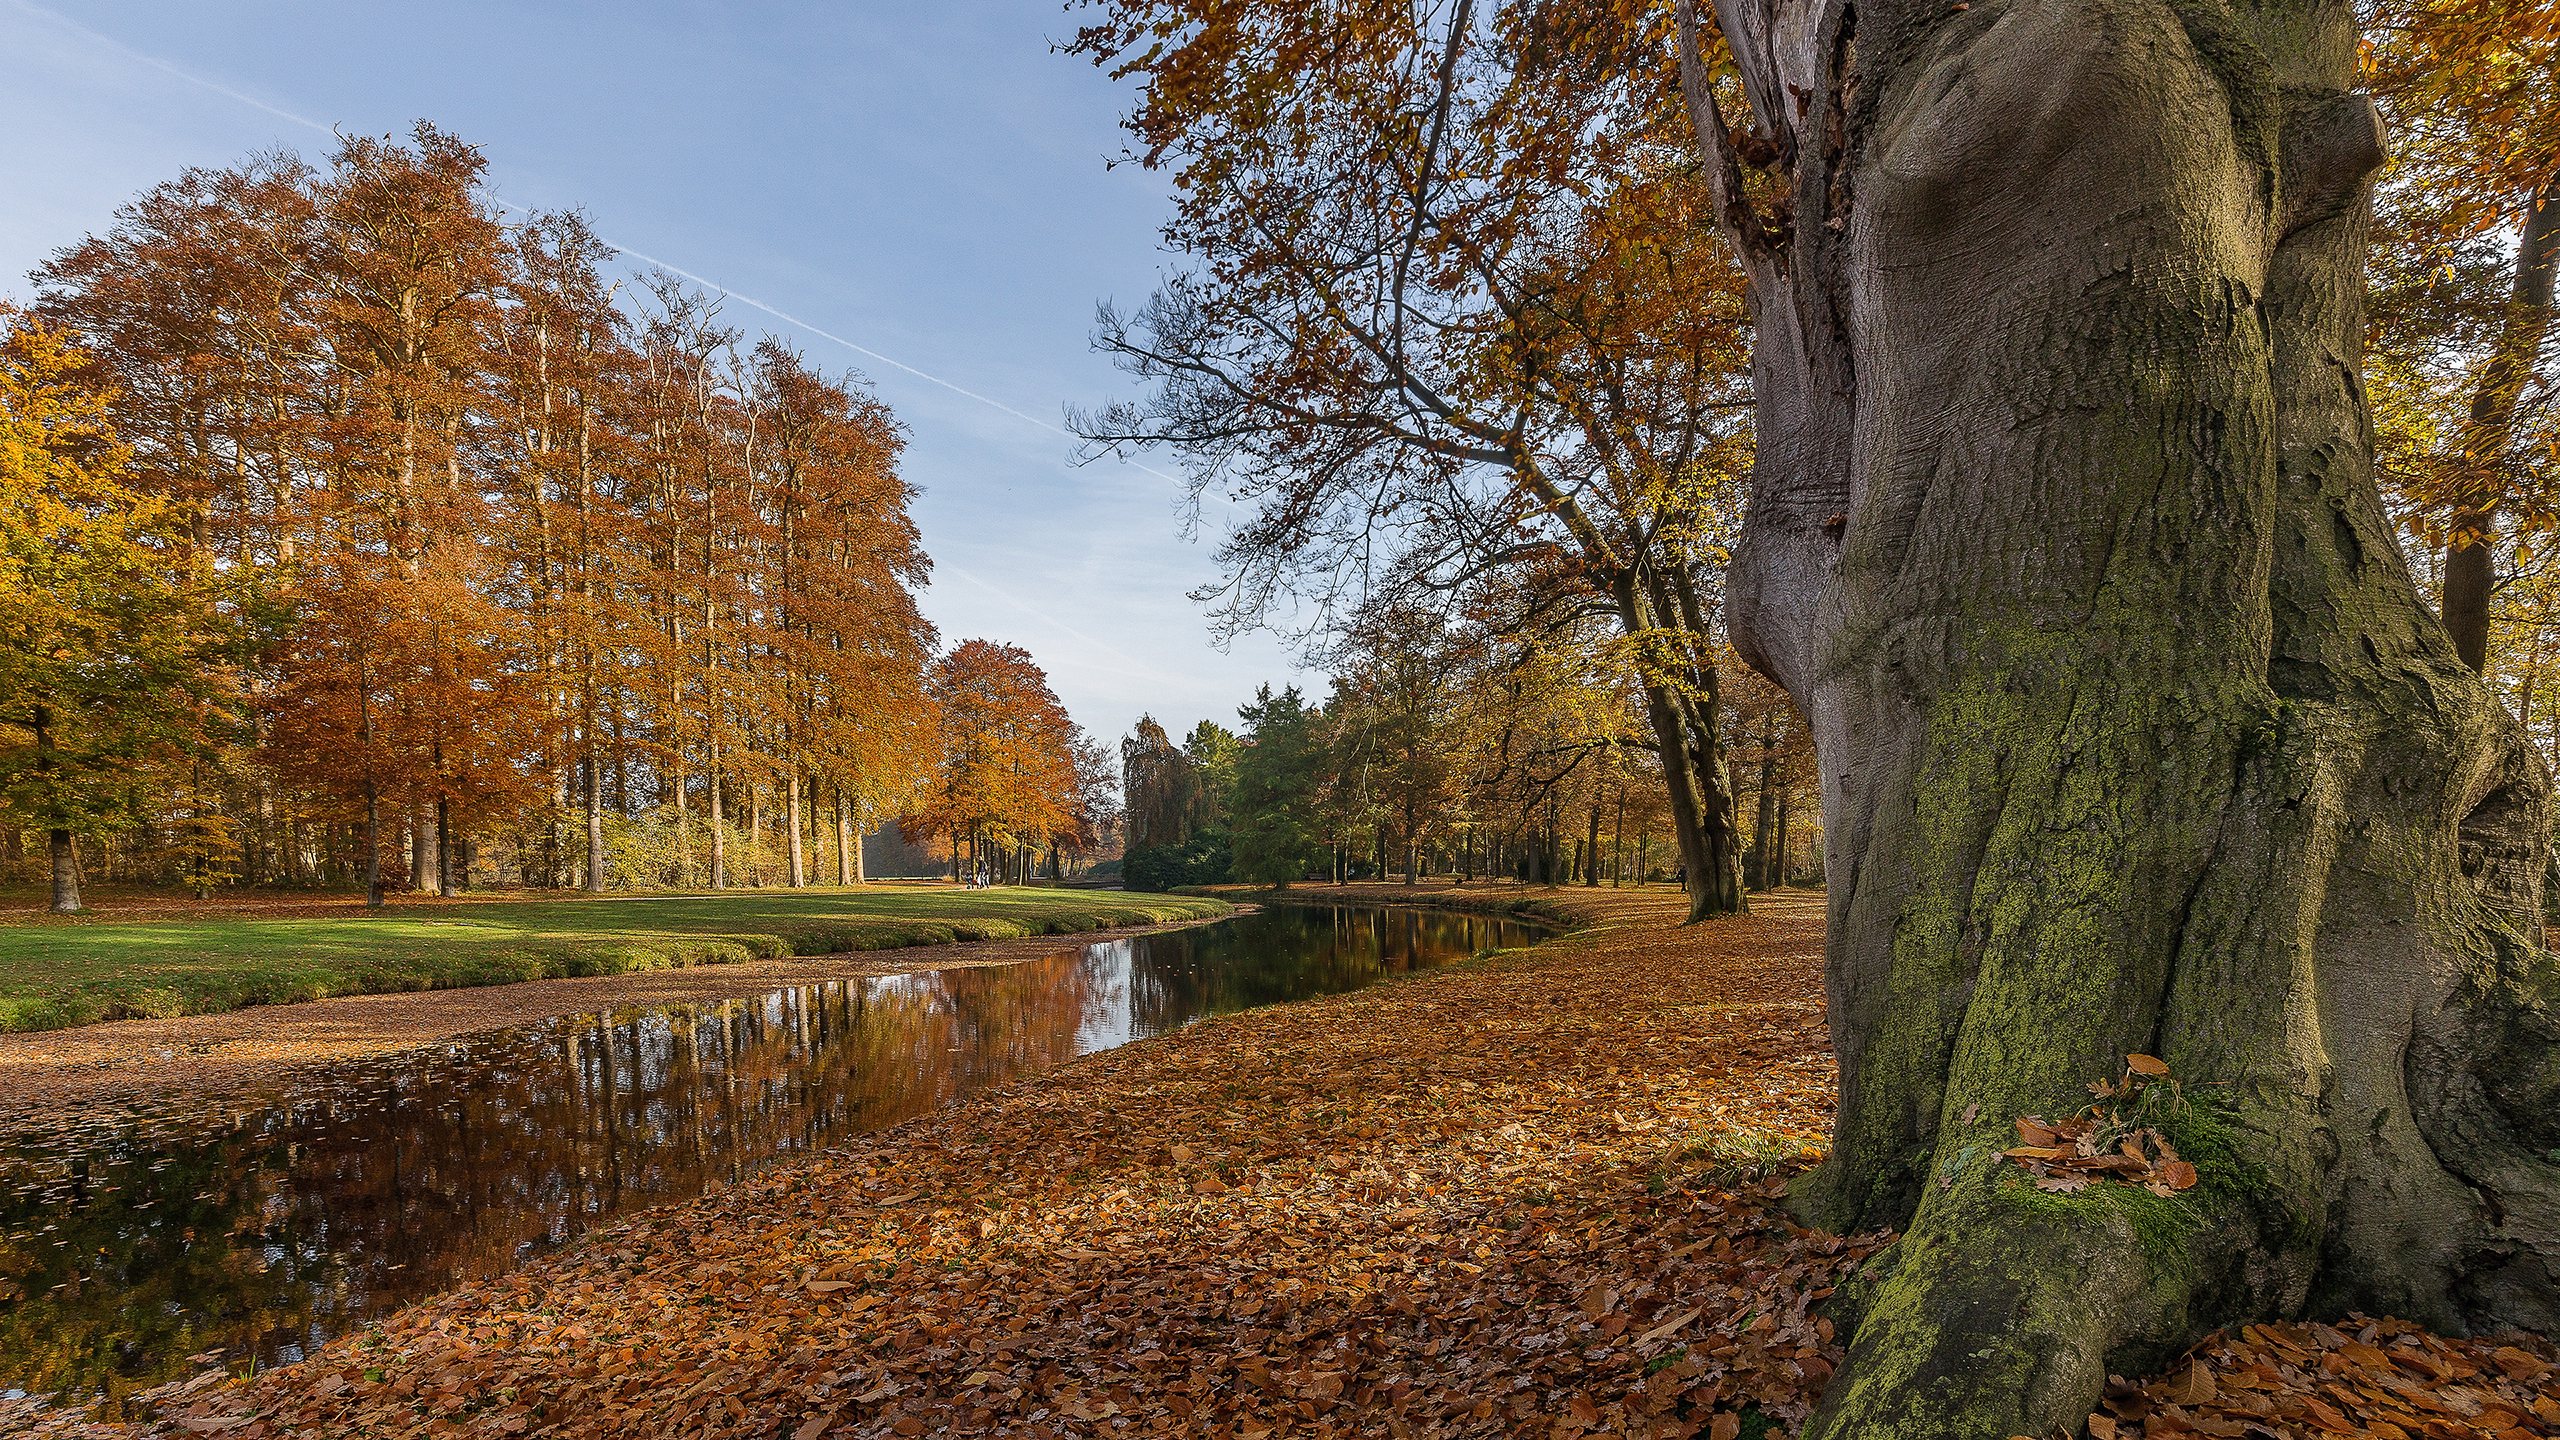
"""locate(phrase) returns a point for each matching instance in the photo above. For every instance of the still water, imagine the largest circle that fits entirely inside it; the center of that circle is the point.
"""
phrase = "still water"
(267, 1228)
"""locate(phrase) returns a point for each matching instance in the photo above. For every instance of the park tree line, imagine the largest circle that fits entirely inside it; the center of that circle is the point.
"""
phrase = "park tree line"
(1445, 748)
(365, 532)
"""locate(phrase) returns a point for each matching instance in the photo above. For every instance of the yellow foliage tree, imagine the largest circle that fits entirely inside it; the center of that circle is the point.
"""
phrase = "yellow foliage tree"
(110, 652)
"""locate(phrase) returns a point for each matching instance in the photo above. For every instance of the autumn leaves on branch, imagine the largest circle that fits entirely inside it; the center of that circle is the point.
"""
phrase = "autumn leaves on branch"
(443, 530)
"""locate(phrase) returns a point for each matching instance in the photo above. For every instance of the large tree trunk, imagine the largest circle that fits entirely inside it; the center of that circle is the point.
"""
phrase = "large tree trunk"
(2136, 735)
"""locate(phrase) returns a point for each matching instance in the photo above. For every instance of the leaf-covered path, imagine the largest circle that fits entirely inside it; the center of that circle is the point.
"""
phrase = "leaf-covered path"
(1426, 1206)
(1517, 1197)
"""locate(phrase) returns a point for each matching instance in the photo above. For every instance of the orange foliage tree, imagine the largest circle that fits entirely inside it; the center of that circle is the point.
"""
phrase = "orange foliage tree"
(560, 555)
(1015, 775)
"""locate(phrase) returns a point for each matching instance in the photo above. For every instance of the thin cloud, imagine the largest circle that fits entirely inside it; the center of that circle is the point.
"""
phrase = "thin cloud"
(191, 77)
(217, 87)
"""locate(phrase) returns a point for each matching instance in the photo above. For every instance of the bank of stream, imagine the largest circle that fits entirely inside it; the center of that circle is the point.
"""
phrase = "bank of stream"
(131, 1251)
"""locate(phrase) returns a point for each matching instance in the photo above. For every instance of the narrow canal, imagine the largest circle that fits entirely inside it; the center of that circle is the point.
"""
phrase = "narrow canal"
(262, 1231)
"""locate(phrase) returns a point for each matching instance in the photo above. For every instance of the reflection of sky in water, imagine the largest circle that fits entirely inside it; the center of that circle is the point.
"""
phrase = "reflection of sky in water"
(272, 1226)
(1107, 1018)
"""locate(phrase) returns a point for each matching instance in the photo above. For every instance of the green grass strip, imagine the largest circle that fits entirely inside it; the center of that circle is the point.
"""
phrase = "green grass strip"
(58, 973)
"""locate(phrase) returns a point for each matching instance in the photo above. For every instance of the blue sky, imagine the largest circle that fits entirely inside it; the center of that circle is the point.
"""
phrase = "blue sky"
(925, 181)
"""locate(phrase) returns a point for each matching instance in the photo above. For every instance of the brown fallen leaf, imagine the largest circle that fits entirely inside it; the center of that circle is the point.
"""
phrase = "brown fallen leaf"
(1726, 1426)
(1668, 1328)
(2178, 1175)
(815, 1426)
(2519, 1365)
(2194, 1387)
(2151, 1065)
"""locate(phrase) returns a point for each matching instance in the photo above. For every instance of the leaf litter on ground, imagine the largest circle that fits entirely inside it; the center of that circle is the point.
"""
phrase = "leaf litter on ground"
(1538, 1195)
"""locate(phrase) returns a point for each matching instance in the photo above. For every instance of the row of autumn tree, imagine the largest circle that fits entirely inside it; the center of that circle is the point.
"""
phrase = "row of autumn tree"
(1462, 746)
(1462, 314)
(352, 523)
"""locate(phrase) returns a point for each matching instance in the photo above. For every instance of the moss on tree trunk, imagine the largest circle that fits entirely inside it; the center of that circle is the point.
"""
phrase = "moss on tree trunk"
(2135, 732)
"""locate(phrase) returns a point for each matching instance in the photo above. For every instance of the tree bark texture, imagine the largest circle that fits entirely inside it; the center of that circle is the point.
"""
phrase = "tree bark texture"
(2135, 732)
(65, 862)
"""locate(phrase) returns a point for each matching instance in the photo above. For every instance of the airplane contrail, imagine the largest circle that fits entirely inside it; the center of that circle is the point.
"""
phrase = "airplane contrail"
(218, 88)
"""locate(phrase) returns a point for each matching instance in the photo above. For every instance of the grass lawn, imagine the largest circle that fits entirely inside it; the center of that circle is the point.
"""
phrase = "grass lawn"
(55, 974)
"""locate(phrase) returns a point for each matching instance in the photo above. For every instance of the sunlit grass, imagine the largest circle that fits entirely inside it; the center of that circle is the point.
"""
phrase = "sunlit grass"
(59, 973)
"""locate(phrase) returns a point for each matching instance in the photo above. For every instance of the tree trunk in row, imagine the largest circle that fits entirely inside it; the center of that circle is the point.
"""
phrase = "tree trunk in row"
(719, 827)
(799, 860)
(2136, 735)
(1685, 720)
(848, 853)
(595, 824)
(65, 860)
(2468, 581)
(1757, 871)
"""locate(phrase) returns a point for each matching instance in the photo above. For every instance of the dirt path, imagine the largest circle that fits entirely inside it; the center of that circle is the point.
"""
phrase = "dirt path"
(50, 1076)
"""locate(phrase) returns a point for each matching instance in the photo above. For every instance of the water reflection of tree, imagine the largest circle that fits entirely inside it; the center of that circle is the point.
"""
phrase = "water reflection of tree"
(1285, 953)
(297, 1223)
(270, 1231)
